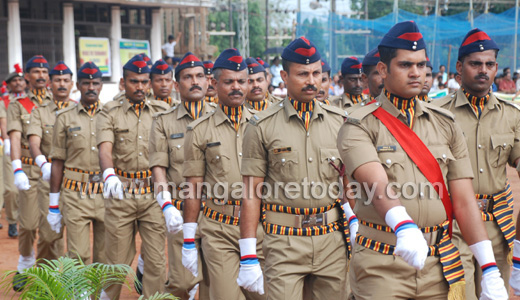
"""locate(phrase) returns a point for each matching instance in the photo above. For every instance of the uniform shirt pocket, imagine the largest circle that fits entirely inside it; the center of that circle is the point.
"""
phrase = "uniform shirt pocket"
(501, 145)
(218, 160)
(328, 159)
(283, 166)
(393, 162)
(443, 155)
(176, 150)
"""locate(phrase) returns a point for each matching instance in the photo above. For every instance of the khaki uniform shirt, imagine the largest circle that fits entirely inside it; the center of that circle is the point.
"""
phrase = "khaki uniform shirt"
(273, 99)
(74, 138)
(167, 139)
(42, 125)
(493, 140)
(3, 109)
(118, 124)
(213, 150)
(278, 148)
(344, 102)
(363, 139)
(19, 119)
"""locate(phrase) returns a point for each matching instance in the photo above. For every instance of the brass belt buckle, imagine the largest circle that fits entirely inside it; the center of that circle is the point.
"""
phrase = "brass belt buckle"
(483, 204)
(312, 220)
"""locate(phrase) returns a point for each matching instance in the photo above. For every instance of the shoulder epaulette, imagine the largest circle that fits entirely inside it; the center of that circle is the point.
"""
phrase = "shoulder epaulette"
(266, 113)
(161, 113)
(66, 109)
(111, 105)
(509, 102)
(214, 105)
(158, 103)
(334, 109)
(45, 104)
(361, 112)
(195, 123)
(439, 110)
(444, 100)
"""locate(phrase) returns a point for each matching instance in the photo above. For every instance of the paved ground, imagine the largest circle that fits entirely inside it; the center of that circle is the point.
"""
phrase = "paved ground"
(9, 247)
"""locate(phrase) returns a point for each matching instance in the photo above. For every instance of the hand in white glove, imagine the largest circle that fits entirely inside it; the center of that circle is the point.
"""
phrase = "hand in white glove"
(171, 213)
(492, 284)
(514, 280)
(113, 186)
(250, 275)
(7, 147)
(54, 216)
(353, 223)
(411, 245)
(21, 181)
(190, 259)
(45, 167)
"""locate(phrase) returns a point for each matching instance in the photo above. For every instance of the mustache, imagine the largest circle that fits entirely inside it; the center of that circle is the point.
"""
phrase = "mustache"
(382, 85)
(482, 76)
(256, 89)
(91, 93)
(310, 87)
(236, 93)
(40, 80)
(138, 92)
(322, 92)
(210, 87)
(62, 89)
(195, 87)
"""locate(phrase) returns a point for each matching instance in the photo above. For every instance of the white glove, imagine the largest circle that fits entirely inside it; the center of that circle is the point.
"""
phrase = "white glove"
(411, 245)
(250, 275)
(113, 186)
(514, 281)
(7, 147)
(54, 216)
(45, 167)
(492, 284)
(171, 213)
(353, 223)
(189, 253)
(20, 179)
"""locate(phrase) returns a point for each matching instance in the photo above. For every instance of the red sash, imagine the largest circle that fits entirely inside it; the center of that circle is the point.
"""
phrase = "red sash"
(27, 104)
(420, 155)
(6, 101)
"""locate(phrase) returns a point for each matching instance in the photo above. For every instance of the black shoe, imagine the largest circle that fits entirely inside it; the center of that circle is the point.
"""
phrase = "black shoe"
(13, 230)
(138, 283)
(19, 282)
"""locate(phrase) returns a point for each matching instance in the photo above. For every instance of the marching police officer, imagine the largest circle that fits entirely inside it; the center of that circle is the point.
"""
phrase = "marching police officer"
(352, 84)
(294, 142)
(371, 74)
(76, 182)
(491, 129)
(257, 97)
(122, 132)
(212, 158)
(166, 158)
(323, 93)
(398, 143)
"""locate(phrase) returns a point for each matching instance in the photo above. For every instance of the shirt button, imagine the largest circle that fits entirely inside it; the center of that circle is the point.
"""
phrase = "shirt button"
(140, 137)
(178, 146)
(139, 121)
(421, 194)
(505, 145)
(388, 161)
(283, 160)
(480, 146)
(75, 134)
(240, 154)
(312, 182)
(238, 135)
(310, 159)
(46, 131)
(91, 119)
(308, 134)
(217, 157)
(93, 148)
(333, 158)
(140, 153)
(121, 139)
(27, 122)
(481, 170)
(93, 133)
(444, 156)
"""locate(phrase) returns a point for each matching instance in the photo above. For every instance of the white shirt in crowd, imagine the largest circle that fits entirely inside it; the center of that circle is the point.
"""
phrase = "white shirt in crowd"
(168, 48)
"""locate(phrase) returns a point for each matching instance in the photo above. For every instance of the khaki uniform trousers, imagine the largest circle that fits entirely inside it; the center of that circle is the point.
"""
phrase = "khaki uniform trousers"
(181, 280)
(79, 211)
(320, 261)
(122, 220)
(10, 191)
(33, 209)
(222, 255)
(379, 276)
(472, 270)
(50, 244)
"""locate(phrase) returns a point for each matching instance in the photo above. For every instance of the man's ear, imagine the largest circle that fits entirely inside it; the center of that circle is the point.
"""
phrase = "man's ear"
(382, 68)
